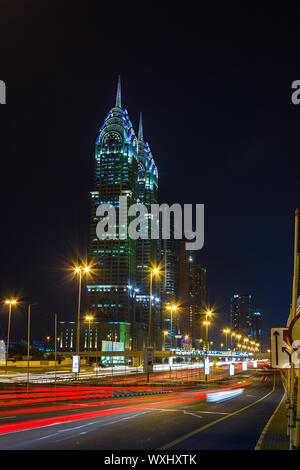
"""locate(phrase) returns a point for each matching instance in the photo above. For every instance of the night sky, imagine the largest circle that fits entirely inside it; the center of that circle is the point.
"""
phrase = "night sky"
(214, 87)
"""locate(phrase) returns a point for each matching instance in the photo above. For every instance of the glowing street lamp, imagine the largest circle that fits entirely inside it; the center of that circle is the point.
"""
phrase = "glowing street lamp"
(80, 271)
(10, 303)
(208, 314)
(89, 318)
(165, 333)
(206, 324)
(226, 331)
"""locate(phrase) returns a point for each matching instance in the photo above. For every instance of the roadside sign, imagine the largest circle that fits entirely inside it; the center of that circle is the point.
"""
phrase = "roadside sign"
(206, 366)
(231, 369)
(244, 365)
(280, 355)
(76, 364)
(148, 360)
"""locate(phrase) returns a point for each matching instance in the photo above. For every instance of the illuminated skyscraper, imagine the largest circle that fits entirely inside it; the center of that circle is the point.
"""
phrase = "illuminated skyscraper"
(116, 174)
(146, 249)
(241, 314)
(257, 327)
(124, 166)
(197, 299)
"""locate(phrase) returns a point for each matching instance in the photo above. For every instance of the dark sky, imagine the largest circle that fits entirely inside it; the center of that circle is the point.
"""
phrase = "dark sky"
(214, 86)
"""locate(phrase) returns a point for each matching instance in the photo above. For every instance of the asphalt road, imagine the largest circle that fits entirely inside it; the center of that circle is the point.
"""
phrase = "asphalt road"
(179, 421)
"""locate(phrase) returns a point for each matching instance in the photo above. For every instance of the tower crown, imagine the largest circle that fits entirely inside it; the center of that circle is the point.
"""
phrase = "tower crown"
(140, 134)
(117, 121)
(118, 97)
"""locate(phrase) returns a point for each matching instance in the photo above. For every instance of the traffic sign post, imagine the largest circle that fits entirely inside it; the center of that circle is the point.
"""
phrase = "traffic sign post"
(280, 355)
(76, 364)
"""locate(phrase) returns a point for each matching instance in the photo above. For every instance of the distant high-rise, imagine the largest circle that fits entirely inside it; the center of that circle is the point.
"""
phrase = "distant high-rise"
(146, 248)
(241, 314)
(197, 299)
(169, 288)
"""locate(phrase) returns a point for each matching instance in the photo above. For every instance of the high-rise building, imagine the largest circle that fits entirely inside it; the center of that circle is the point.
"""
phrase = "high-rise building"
(146, 247)
(241, 314)
(114, 260)
(93, 335)
(184, 283)
(197, 299)
(169, 289)
(257, 327)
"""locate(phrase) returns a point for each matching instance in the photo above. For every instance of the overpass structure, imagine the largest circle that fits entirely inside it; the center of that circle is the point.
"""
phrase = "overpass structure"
(176, 353)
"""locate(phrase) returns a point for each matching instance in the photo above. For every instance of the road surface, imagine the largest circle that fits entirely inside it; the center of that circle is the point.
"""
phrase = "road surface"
(183, 419)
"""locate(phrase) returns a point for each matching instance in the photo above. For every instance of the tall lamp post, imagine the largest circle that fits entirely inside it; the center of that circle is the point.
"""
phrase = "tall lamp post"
(154, 272)
(231, 336)
(10, 303)
(206, 323)
(80, 271)
(165, 333)
(28, 339)
(89, 318)
(226, 331)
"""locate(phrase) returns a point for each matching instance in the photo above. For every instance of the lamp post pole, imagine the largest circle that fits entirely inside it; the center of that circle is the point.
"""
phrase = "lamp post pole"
(28, 341)
(10, 303)
(154, 271)
(150, 308)
(55, 341)
(79, 270)
(78, 314)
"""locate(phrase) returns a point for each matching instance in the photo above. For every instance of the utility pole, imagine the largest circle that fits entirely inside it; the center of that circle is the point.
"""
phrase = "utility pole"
(293, 314)
(55, 346)
(297, 430)
(28, 342)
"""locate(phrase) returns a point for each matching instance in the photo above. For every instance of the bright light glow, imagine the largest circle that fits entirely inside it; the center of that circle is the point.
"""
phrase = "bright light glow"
(226, 395)
(11, 302)
(172, 307)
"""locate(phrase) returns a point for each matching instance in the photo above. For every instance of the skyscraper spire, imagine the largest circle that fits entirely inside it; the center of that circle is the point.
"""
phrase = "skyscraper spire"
(140, 136)
(118, 98)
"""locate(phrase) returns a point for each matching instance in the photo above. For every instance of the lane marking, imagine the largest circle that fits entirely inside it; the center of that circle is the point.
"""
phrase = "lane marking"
(101, 425)
(196, 431)
(261, 437)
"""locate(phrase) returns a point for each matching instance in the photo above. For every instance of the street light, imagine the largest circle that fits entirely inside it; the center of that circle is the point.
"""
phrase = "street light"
(10, 303)
(80, 271)
(153, 272)
(208, 315)
(226, 331)
(165, 333)
(206, 324)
